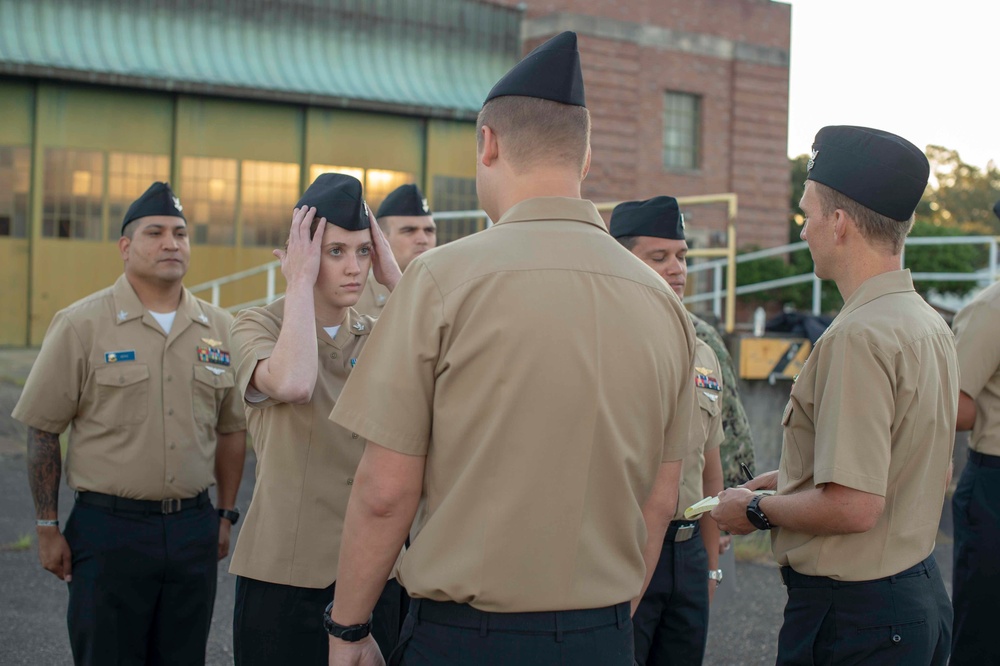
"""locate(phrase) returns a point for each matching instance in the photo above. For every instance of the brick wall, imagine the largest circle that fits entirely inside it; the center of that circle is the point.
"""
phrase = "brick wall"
(732, 53)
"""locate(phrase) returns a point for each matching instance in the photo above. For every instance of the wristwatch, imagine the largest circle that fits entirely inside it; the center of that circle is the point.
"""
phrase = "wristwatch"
(716, 575)
(756, 516)
(232, 515)
(352, 633)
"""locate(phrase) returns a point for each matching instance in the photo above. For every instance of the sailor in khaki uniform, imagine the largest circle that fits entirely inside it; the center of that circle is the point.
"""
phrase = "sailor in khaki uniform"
(405, 218)
(518, 385)
(143, 373)
(976, 503)
(296, 354)
(671, 622)
(868, 430)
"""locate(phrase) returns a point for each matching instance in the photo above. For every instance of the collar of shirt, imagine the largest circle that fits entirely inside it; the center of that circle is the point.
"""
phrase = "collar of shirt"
(129, 307)
(554, 208)
(893, 282)
(351, 325)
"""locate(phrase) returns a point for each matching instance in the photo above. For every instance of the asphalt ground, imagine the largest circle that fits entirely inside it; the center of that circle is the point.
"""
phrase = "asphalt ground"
(743, 629)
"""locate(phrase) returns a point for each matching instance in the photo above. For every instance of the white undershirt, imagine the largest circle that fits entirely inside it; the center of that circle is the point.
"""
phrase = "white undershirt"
(164, 319)
(254, 396)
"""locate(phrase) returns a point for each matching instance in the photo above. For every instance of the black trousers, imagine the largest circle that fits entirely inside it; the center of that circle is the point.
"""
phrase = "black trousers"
(976, 574)
(449, 634)
(671, 622)
(143, 585)
(903, 619)
(275, 625)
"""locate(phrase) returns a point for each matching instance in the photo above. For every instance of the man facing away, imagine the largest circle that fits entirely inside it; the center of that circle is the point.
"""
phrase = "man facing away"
(495, 389)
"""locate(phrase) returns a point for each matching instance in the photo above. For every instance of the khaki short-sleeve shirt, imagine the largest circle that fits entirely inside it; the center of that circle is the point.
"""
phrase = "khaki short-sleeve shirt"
(373, 297)
(145, 406)
(708, 432)
(873, 409)
(305, 463)
(977, 338)
(527, 363)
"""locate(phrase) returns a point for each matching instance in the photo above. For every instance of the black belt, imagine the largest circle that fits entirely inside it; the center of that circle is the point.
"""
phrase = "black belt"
(984, 460)
(793, 578)
(557, 622)
(681, 530)
(163, 507)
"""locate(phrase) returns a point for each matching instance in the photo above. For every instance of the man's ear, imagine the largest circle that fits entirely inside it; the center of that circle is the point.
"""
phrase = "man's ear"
(586, 165)
(491, 148)
(842, 223)
(123, 244)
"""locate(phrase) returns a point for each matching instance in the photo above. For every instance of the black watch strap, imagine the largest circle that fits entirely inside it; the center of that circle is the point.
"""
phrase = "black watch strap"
(232, 515)
(756, 516)
(350, 633)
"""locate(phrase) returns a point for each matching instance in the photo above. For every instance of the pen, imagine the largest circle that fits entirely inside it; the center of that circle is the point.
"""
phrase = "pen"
(746, 471)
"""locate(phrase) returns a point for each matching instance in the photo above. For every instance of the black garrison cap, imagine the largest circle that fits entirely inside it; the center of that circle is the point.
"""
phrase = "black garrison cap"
(405, 200)
(159, 199)
(338, 198)
(996, 208)
(879, 170)
(552, 71)
(659, 217)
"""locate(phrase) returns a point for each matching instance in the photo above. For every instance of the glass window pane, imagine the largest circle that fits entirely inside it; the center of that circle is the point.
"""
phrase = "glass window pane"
(208, 194)
(450, 194)
(72, 187)
(681, 130)
(15, 169)
(268, 192)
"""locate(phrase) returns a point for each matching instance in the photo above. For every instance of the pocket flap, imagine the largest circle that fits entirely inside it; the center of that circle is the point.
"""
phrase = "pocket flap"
(125, 374)
(214, 377)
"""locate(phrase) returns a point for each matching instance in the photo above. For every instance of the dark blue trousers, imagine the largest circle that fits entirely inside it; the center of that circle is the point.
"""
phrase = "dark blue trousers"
(275, 625)
(449, 634)
(671, 622)
(143, 585)
(903, 619)
(976, 574)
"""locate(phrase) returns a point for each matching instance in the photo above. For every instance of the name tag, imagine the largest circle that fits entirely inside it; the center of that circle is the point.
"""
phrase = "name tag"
(119, 356)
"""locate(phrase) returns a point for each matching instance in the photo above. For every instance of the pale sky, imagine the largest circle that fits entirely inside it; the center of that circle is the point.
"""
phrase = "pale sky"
(926, 70)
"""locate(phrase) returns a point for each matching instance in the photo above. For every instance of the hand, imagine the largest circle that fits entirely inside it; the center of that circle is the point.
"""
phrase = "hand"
(225, 528)
(731, 513)
(766, 481)
(362, 653)
(300, 258)
(725, 542)
(712, 586)
(54, 553)
(384, 266)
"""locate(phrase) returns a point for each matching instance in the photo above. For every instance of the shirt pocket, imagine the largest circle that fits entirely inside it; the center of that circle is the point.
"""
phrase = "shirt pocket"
(709, 406)
(791, 457)
(208, 390)
(122, 394)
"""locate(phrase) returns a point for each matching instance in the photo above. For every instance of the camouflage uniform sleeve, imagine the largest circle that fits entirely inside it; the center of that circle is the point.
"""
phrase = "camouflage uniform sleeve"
(738, 444)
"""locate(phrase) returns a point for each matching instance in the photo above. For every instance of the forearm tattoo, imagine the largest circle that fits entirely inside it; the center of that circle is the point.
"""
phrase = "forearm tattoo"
(44, 471)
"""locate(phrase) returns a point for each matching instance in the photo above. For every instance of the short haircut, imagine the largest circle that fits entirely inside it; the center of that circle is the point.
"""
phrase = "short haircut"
(537, 131)
(628, 241)
(874, 227)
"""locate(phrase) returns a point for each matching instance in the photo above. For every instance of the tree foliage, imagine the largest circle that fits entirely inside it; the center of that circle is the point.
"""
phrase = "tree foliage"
(960, 196)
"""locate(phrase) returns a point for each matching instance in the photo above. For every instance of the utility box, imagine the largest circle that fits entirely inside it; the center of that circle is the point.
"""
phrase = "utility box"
(772, 358)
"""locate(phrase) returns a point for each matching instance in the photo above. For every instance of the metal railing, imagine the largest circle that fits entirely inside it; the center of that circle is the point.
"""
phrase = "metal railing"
(989, 274)
(728, 254)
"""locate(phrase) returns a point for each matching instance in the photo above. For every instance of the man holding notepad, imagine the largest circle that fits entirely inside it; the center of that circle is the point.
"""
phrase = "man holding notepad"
(868, 430)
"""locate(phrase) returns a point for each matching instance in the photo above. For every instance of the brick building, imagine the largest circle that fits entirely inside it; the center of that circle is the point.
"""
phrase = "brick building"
(687, 97)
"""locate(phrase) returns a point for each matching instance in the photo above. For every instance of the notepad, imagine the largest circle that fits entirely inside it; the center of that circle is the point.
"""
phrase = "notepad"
(697, 509)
